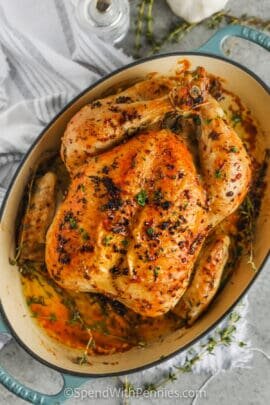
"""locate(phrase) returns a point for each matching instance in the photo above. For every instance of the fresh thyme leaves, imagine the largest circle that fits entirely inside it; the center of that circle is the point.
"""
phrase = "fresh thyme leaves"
(53, 317)
(233, 149)
(156, 271)
(84, 358)
(150, 231)
(223, 337)
(149, 22)
(33, 299)
(236, 118)
(141, 198)
(69, 217)
(175, 35)
(218, 174)
(125, 243)
(248, 218)
(249, 211)
(106, 241)
(84, 234)
(145, 26)
(139, 25)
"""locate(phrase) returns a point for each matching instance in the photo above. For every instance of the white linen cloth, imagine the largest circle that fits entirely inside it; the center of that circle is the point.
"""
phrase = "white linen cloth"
(45, 60)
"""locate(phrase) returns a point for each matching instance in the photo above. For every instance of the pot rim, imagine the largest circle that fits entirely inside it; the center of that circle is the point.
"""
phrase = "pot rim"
(17, 172)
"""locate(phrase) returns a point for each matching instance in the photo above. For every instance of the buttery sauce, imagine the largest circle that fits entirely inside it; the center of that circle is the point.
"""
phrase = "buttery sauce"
(96, 324)
(81, 320)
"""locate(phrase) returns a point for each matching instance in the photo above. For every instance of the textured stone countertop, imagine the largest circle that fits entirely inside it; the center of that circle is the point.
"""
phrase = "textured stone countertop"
(248, 386)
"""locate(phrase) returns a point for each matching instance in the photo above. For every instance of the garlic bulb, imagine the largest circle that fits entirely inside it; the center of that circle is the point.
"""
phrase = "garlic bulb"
(196, 10)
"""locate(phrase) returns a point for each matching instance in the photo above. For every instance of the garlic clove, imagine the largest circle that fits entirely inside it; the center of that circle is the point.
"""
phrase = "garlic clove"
(195, 11)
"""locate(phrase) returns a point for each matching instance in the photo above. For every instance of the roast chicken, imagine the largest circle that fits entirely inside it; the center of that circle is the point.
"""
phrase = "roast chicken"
(140, 210)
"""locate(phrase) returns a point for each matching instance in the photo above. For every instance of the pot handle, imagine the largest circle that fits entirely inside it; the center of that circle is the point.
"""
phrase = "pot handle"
(3, 326)
(215, 43)
(68, 391)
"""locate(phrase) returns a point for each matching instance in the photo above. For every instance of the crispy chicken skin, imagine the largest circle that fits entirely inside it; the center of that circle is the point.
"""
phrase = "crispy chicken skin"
(136, 215)
(132, 224)
(104, 123)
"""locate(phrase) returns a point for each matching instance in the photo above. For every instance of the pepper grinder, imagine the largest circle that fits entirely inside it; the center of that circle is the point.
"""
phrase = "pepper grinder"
(107, 19)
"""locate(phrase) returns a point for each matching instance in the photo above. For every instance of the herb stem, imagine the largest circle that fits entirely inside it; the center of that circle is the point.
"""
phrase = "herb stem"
(178, 32)
(139, 26)
(149, 21)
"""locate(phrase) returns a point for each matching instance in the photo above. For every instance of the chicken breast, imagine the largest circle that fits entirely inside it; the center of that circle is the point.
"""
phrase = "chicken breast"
(132, 224)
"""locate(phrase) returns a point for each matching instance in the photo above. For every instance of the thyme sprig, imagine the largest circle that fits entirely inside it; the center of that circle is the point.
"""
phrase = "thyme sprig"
(175, 35)
(149, 22)
(224, 337)
(250, 209)
(139, 26)
(145, 21)
(248, 215)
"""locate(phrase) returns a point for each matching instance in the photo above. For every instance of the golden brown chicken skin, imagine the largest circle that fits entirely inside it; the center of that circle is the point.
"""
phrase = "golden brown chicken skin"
(104, 123)
(136, 216)
(132, 224)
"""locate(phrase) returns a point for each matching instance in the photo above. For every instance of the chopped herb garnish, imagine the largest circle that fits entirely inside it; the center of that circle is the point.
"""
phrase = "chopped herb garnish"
(53, 317)
(208, 120)
(106, 240)
(236, 118)
(141, 198)
(150, 231)
(156, 271)
(82, 187)
(73, 223)
(196, 119)
(84, 233)
(218, 174)
(35, 300)
(125, 242)
(234, 149)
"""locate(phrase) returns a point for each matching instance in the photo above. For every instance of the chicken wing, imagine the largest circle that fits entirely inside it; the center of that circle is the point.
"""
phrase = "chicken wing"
(105, 122)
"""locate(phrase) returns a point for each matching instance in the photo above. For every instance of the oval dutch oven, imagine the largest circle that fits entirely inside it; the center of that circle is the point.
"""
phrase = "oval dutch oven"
(16, 317)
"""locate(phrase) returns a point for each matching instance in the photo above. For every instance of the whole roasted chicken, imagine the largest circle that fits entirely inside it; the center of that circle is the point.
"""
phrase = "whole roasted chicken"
(140, 219)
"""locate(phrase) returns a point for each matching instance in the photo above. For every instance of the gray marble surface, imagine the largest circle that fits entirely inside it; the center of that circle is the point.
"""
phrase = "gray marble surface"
(248, 386)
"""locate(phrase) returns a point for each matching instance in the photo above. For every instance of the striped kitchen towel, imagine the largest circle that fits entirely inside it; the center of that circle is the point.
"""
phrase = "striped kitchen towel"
(45, 60)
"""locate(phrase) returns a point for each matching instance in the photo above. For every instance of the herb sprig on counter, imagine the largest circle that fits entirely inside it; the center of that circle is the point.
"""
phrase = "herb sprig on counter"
(223, 337)
(145, 32)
